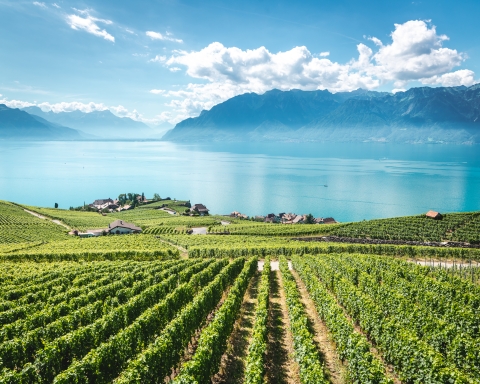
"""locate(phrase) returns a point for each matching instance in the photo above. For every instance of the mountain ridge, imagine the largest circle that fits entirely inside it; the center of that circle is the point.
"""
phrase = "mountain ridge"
(18, 124)
(102, 124)
(419, 115)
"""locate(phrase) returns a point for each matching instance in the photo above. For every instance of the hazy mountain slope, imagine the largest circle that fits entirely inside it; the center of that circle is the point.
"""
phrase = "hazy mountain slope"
(17, 124)
(418, 115)
(99, 123)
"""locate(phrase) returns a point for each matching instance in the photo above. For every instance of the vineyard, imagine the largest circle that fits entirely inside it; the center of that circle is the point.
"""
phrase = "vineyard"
(174, 321)
(18, 226)
(145, 247)
(454, 226)
(247, 303)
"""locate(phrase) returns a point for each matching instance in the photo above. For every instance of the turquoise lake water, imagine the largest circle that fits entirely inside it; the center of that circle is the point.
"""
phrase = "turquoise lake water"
(364, 181)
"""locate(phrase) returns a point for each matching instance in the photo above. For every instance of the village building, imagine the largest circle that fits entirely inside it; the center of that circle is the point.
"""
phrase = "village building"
(434, 215)
(200, 209)
(238, 215)
(100, 202)
(120, 227)
(272, 218)
(110, 206)
(298, 219)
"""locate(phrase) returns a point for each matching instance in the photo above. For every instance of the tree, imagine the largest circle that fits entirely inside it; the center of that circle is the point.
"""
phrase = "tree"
(56, 205)
(156, 197)
(143, 197)
(309, 219)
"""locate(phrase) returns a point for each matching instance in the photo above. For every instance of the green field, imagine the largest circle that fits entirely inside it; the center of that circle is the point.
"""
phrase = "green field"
(167, 306)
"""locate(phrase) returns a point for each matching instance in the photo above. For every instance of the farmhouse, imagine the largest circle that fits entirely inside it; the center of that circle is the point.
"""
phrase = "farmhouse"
(434, 215)
(200, 209)
(99, 202)
(120, 227)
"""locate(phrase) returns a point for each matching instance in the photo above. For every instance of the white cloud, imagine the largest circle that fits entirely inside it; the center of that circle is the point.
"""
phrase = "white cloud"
(158, 59)
(376, 41)
(157, 91)
(158, 36)
(461, 77)
(56, 5)
(39, 4)
(232, 71)
(16, 103)
(119, 110)
(415, 53)
(395, 90)
(89, 24)
(71, 106)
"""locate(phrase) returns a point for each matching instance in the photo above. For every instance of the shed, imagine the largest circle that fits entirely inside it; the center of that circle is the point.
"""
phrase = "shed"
(434, 215)
(329, 220)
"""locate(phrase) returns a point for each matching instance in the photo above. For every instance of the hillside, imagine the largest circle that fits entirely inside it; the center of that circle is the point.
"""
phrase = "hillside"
(419, 115)
(17, 124)
(103, 124)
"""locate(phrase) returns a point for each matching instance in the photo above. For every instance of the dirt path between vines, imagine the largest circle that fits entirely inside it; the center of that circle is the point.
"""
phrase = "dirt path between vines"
(183, 251)
(58, 222)
(232, 367)
(389, 370)
(280, 364)
(336, 370)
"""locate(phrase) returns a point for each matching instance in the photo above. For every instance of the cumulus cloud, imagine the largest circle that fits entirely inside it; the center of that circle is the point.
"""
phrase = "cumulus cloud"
(89, 24)
(415, 53)
(461, 77)
(232, 71)
(158, 36)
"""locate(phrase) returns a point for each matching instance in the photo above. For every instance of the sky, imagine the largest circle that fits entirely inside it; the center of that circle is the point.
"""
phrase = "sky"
(166, 60)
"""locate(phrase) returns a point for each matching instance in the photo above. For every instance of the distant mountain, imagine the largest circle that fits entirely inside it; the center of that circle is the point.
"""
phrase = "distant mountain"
(102, 124)
(17, 124)
(419, 115)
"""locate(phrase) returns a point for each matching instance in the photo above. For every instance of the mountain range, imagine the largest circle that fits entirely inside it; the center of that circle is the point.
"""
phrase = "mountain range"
(17, 124)
(101, 124)
(419, 115)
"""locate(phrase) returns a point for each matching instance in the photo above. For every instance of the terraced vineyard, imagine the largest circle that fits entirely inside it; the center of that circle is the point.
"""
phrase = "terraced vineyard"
(18, 226)
(139, 247)
(454, 226)
(75, 219)
(262, 229)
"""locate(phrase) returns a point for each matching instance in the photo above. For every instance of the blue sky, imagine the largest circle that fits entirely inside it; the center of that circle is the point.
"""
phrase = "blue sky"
(163, 61)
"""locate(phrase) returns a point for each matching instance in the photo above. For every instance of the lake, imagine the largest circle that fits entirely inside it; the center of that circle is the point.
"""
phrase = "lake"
(349, 181)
